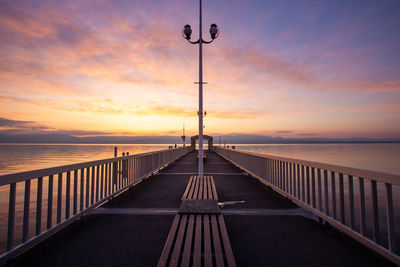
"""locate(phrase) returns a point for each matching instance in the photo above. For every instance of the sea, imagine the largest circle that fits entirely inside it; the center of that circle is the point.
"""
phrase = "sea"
(381, 157)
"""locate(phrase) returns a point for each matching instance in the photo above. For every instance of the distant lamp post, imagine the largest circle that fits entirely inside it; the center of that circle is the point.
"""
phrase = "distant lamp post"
(187, 33)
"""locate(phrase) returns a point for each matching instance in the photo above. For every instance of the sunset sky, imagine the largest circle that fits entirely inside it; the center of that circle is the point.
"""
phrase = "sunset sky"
(279, 68)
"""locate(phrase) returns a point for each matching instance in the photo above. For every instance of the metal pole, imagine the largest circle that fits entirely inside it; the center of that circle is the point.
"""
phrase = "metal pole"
(200, 97)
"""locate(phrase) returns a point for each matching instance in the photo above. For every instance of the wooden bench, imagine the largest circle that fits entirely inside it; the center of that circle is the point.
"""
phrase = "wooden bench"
(198, 237)
(200, 188)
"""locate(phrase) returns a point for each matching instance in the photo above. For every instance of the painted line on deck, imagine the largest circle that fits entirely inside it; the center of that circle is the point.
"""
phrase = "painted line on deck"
(270, 212)
(227, 212)
(135, 211)
(206, 173)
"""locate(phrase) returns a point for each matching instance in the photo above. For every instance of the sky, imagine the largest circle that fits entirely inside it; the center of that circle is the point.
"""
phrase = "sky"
(291, 69)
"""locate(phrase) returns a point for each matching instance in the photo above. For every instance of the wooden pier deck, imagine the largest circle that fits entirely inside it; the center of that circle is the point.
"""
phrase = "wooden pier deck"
(132, 228)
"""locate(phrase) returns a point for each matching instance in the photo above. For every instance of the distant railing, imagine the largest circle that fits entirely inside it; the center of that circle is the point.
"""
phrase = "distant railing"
(330, 192)
(80, 187)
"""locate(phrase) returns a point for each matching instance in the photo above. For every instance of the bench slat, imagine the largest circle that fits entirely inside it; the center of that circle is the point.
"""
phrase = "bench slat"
(205, 191)
(219, 257)
(190, 196)
(197, 243)
(201, 189)
(185, 194)
(214, 190)
(178, 243)
(207, 241)
(168, 245)
(198, 240)
(188, 242)
(196, 188)
(225, 241)
(210, 194)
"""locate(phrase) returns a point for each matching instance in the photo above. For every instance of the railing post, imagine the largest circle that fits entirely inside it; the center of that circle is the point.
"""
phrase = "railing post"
(59, 198)
(27, 200)
(390, 222)
(68, 193)
(374, 198)
(351, 201)
(39, 205)
(11, 216)
(341, 192)
(362, 207)
(50, 202)
(333, 189)
(326, 192)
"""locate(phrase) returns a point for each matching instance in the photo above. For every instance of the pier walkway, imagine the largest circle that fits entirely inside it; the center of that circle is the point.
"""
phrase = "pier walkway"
(131, 229)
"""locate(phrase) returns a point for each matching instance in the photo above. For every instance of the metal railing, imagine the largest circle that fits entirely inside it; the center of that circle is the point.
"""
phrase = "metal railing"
(42, 202)
(333, 194)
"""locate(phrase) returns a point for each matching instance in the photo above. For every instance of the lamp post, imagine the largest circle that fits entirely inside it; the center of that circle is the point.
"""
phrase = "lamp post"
(186, 33)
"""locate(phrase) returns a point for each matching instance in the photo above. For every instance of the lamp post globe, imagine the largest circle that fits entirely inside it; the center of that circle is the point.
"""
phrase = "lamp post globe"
(214, 31)
(187, 31)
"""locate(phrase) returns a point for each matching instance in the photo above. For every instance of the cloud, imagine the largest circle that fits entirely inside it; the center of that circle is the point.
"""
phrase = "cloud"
(283, 132)
(307, 134)
(13, 123)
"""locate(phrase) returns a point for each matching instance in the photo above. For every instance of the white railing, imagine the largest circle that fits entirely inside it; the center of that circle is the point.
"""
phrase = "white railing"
(331, 193)
(63, 194)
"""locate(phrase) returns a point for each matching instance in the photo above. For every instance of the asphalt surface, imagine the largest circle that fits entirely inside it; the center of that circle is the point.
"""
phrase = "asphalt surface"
(138, 239)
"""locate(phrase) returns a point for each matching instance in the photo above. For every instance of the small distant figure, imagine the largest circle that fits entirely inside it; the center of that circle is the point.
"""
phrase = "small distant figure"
(175, 145)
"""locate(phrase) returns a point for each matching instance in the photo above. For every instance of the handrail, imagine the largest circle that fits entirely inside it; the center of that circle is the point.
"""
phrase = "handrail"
(26, 175)
(71, 191)
(371, 175)
(320, 188)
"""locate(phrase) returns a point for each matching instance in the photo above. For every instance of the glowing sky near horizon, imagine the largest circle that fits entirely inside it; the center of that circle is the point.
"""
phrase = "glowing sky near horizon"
(279, 68)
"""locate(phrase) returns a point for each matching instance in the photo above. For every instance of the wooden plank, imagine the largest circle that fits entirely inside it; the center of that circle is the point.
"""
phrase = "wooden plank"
(188, 242)
(196, 188)
(197, 242)
(185, 194)
(207, 241)
(219, 257)
(205, 190)
(225, 241)
(178, 243)
(201, 191)
(190, 195)
(213, 187)
(168, 245)
(210, 195)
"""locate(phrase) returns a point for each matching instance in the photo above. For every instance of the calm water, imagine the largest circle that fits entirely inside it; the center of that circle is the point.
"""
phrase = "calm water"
(25, 157)
(376, 157)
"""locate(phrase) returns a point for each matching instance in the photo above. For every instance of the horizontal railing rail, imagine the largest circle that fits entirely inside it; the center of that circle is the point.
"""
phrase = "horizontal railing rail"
(42, 202)
(331, 193)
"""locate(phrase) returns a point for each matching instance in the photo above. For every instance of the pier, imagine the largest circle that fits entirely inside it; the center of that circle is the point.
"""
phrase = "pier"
(249, 210)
